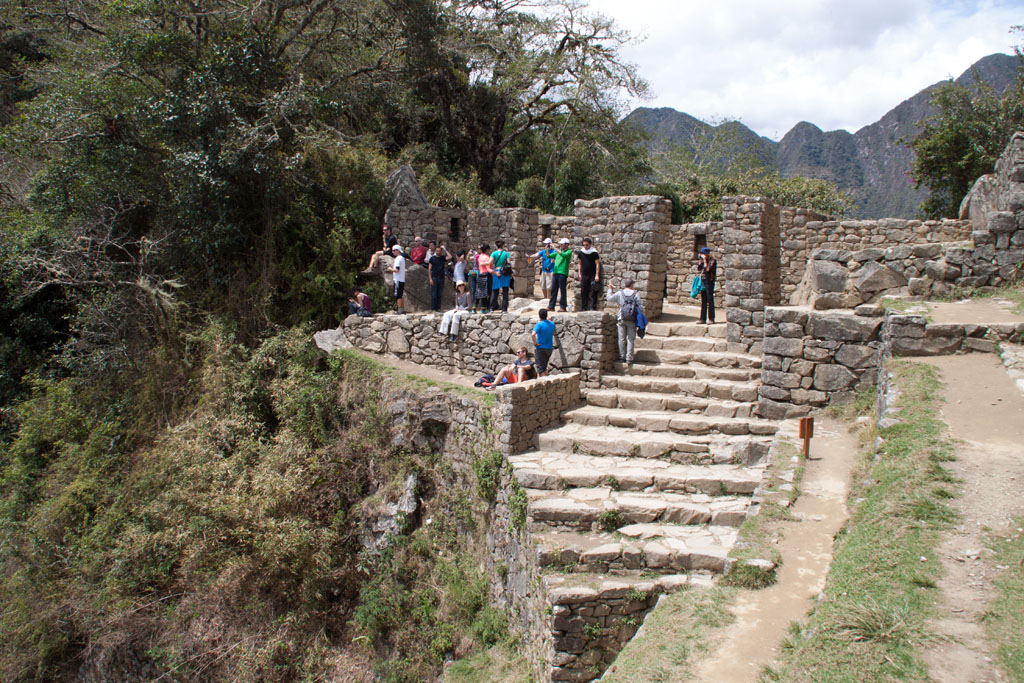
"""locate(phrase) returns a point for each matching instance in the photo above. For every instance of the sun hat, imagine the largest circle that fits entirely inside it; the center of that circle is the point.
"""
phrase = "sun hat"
(460, 282)
(564, 240)
(397, 247)
(547, 240)
(705, 250)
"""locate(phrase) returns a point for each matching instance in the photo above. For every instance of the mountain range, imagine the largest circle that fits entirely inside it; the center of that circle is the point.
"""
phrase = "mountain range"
(873, 164)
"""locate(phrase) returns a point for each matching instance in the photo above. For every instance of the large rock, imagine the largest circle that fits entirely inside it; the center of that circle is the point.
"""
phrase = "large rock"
(417, 287)
(404, 189)
(843, 327)
(833, 378)
(828, 276)
(980, 201)
(874, 277)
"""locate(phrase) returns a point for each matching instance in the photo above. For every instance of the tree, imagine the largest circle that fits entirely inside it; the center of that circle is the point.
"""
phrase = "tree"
(963, 140)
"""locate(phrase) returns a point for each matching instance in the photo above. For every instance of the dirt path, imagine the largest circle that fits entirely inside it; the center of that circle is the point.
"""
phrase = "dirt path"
(763, 617)
(985, 410)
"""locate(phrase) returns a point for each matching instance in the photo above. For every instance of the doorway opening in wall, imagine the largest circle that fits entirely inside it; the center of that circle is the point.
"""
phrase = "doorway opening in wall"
(699, 242)
(455, 230)
(545, 231)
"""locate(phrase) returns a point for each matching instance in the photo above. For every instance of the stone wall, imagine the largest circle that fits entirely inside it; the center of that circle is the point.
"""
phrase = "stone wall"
(913, 335)
(527, 407)
(486, 342)
(811, 358)
(750, 235)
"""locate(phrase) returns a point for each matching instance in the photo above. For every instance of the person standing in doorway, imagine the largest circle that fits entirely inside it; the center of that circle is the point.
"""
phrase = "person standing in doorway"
(588, 263)
(398, 271)
(560, 275)
(436, 267)
(547, 265)
(707, 268)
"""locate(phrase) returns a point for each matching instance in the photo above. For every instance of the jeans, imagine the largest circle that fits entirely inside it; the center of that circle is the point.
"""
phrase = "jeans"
(627, 338)
(504, 299)
(451, 321)
(436, 292)
(558, 284)
(707, 305)
(588, 293)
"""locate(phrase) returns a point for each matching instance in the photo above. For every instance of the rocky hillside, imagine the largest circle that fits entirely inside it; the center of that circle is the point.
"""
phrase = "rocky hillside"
(872, 163)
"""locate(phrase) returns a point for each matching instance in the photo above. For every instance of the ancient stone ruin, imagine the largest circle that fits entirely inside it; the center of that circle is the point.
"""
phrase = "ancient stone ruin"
(624, 483)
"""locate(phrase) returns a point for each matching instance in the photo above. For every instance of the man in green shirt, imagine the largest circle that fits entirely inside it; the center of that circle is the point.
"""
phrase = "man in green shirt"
(560, 276)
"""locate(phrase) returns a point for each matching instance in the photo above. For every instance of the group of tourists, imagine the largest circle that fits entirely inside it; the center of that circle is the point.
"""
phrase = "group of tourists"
(482, 278)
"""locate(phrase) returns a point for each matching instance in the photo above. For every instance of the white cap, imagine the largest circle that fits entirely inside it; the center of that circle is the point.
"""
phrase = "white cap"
(547, 240)
(396, 247)
(564, 240)
(460, 282)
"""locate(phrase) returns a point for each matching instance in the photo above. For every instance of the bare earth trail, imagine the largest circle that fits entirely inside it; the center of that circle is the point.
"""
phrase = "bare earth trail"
(985, 411)
(762, 617)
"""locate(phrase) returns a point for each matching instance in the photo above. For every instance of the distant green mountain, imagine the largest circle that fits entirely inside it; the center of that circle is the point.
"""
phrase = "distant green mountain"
(872, 164)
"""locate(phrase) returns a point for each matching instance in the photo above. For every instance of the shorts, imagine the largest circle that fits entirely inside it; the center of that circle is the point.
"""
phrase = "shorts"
(541, 358)
(399, 289)
(545, 280)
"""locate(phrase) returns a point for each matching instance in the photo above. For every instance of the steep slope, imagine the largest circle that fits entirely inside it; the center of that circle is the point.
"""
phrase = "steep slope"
(873, 164)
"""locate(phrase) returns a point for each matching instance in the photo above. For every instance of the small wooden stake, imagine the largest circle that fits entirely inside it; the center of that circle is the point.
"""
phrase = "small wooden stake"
(806, 432)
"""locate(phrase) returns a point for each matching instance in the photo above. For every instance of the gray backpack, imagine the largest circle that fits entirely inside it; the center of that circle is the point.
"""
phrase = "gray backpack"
(627, 311)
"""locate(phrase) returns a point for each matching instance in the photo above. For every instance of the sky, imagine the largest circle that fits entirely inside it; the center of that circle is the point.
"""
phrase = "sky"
(840, 64)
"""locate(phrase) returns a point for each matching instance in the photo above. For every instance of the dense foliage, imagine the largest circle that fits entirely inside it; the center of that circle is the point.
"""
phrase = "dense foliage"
(963, 140)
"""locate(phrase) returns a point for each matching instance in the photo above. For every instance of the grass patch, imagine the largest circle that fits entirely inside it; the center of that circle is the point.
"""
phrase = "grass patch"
(498, 664)
(675, 634)
(871, 619)
(417, 381)
(1005, 615)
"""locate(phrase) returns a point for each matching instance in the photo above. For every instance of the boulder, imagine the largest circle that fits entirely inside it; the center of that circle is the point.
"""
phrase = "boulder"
(828, 276)
(403, 188)
(833, 378)
(874, 277)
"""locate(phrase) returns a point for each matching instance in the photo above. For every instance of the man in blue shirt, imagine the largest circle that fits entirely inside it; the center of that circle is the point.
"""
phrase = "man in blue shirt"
(547, 266)
(543, 341)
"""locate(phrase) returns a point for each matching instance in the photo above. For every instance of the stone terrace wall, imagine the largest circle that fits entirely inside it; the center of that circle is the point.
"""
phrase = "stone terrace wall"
(467, 228)
(811, 358)
(630, 234)
(794, 236)
(526, 407)
(750, 234)
(486, 342)
(805, 235)
(913, 335)
(682, 256)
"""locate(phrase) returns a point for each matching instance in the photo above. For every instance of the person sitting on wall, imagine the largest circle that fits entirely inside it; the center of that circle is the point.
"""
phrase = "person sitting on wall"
(547, 265)
(389, 241)
(707, 268)
(359, 304)
(418, 253)
(520, 371)
(452, 319)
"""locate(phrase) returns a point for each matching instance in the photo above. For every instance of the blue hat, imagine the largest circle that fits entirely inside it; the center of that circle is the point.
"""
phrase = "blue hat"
(705, 250)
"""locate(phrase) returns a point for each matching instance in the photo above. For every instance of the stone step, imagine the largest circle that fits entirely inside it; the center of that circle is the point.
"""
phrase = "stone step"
(603, 508)
(743, 391)
(665, 421)
(682, 343)
(698, 405)
(544, 470)
(717, 359)
(690, 370)
(689, 329)
(657, 548)
(702, 449)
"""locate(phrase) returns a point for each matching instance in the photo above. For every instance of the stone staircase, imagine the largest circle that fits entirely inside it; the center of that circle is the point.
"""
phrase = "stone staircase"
(641, 490)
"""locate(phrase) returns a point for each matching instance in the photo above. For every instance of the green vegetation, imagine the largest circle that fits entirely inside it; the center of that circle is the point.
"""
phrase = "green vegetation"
(1006, 612)
(963, 140)
(498, 664)
(880, 591)
(675, 634)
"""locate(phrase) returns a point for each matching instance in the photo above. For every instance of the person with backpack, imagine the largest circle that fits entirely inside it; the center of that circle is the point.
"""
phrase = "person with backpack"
(502, 278)
(630, 308)
(359, 304)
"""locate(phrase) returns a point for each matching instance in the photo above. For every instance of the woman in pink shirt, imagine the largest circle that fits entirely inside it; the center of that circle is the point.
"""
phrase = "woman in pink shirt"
(485, 267)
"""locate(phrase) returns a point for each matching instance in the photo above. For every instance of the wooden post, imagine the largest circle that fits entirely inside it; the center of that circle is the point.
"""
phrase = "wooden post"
(806, 432)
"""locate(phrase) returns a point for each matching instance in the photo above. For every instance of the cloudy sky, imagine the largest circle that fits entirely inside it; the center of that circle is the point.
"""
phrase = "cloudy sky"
(835, 63)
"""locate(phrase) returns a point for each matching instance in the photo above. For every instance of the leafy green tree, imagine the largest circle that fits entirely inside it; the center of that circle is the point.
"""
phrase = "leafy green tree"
(963, 140)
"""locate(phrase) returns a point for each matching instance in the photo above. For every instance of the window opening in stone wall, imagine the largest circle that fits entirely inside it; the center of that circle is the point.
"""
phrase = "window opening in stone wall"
(545, 231)
(455, 230)
(699, 242)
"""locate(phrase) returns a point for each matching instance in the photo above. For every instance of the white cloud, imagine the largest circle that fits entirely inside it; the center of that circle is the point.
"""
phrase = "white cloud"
(835, 63)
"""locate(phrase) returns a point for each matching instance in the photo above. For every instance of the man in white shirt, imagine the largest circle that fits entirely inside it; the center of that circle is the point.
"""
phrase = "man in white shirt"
(398, 269)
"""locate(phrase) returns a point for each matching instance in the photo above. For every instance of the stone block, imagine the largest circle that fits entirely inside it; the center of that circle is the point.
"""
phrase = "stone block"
(1001, 222)
(843, 327)
(833, 378)
(828, 276)
(874, 277)
(856, 356)
(792, 347)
